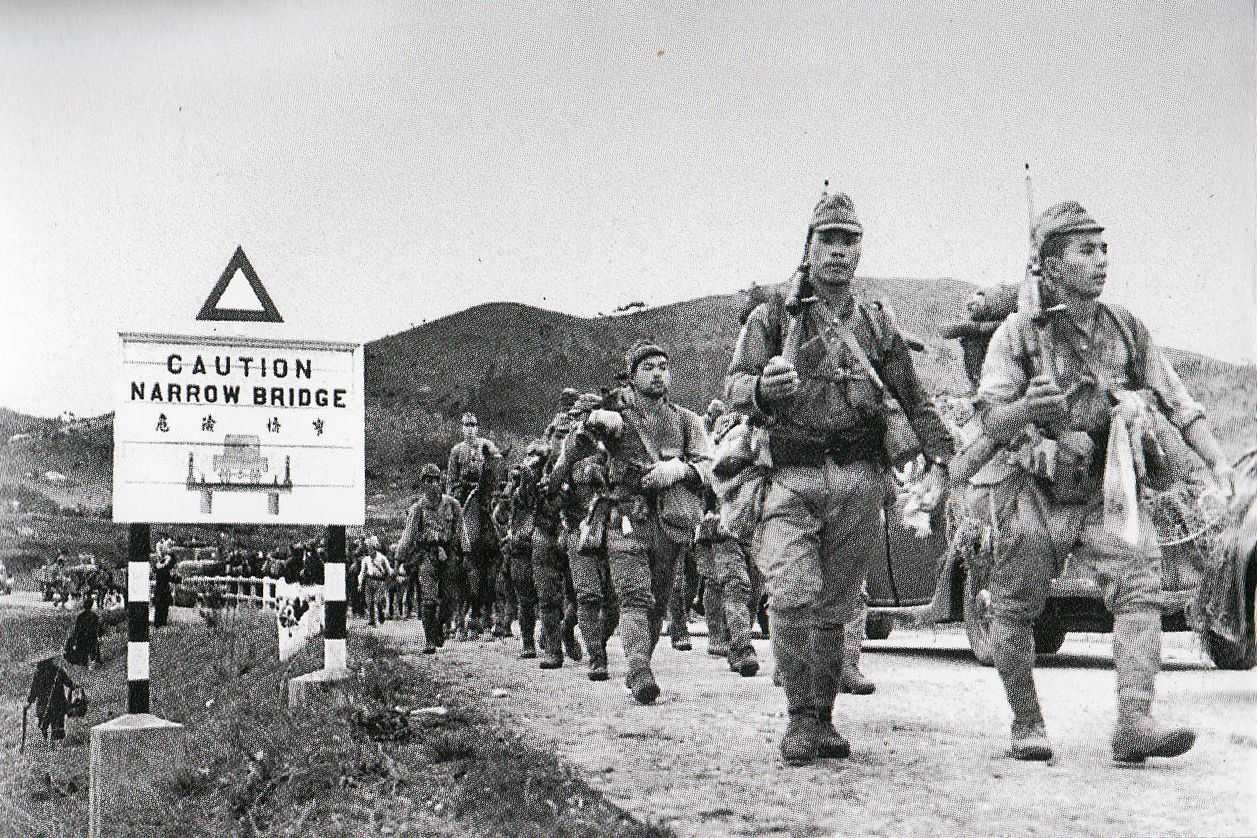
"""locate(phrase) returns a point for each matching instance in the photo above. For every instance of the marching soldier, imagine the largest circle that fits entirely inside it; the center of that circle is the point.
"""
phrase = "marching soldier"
(825, 408)
(658, 467)
(551, 574)
(522, 498)
(583, 484)
(435, 533)
(1079, 373)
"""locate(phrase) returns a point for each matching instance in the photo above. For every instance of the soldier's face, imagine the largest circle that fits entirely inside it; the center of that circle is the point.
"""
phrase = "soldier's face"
(833, 256)
(469, 430)
(653, 377)
(1082, 268)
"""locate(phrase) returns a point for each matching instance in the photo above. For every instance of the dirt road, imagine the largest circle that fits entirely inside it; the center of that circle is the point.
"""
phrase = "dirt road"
(927, 747)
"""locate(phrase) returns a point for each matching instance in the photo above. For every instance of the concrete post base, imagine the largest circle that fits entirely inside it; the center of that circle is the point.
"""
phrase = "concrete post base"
(131, 757)
(321, 682)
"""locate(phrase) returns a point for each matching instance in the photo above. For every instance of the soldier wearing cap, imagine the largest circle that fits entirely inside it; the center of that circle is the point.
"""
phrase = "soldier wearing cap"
(436, 536)
(821, 515)
(584, 486)
(657, 449)
(1103, 357)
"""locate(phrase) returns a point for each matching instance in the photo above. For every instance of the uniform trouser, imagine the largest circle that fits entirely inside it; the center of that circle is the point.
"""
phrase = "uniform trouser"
(551, 578)
(525, 591)
(819, 527)
(684, 589)
(597, 610)
(1035, 537)
(407, 590)
(452, 582)
(375, 592)
(733, 592)
(642, 563)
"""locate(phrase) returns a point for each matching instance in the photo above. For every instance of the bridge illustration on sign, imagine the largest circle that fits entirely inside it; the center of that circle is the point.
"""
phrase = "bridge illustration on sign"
(240, 468)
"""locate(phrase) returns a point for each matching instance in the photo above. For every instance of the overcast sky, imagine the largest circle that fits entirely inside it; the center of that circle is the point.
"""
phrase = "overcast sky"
(386, 164)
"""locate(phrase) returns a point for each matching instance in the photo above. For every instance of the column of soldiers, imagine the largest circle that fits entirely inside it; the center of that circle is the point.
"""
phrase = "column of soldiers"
(590, 527)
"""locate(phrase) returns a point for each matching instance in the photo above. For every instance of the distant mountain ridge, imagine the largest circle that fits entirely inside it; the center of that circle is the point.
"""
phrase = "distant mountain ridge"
(508, 363)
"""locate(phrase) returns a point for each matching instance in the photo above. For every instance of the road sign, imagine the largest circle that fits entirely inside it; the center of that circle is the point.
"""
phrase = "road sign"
(238, 430)
(240, 264)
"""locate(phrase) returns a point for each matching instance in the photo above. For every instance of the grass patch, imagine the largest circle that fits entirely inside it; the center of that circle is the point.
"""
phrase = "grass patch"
(254, 768)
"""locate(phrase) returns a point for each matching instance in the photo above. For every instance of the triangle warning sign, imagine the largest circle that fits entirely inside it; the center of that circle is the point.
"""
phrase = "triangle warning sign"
(240, 264)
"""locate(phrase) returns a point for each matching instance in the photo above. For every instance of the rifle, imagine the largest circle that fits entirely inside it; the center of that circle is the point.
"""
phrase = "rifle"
(970, 460)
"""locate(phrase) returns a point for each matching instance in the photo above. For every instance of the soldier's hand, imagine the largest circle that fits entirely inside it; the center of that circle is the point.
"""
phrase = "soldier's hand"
(1224, 479)
(779, 380)
(1045, 403)
(606, 422)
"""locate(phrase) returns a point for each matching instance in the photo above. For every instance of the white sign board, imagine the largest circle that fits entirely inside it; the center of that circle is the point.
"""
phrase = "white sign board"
(238, 430)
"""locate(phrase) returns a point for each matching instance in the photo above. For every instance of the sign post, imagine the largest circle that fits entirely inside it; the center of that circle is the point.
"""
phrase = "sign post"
(217, 429)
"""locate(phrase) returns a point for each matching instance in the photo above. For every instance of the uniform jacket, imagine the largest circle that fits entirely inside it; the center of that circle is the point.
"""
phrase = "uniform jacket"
(836, 402)
(466, 459)
(434, 526)
(1116, 354)
(671, 428)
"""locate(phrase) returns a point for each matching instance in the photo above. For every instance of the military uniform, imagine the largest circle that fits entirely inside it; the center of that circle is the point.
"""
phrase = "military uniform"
(1042, 522)
(584, 485)
(551, 572)
(504, 603)
(641, 550)
(435, 533)
(731, 593)
(522, 500)
(821, 515)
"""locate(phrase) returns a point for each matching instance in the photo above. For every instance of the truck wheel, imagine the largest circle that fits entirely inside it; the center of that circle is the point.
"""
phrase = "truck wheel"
(978, 621)
(878, 627)
(1048, 637)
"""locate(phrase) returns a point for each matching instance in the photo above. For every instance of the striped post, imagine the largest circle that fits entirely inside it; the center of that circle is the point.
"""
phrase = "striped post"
(335, 655)
(138, 569)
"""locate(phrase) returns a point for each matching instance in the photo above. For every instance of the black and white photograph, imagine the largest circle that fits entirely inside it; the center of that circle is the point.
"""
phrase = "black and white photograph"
(645, 420)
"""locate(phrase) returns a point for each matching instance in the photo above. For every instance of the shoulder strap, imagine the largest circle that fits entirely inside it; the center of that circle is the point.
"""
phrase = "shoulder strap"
(837, 332)
(1126, 328)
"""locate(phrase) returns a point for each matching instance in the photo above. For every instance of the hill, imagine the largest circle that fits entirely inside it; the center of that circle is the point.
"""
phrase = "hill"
(508, 363)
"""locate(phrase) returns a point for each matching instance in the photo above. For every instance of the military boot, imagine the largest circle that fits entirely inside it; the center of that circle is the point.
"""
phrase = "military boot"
(527, 624)
(552, 640)
(792, 645)
(635, 634)
(827, 652)
(852, 680)
(737, 627)
(571, 645)
(1137, 659)
(430, 628)
(590, 618)
(714, 613)
(1013, 647)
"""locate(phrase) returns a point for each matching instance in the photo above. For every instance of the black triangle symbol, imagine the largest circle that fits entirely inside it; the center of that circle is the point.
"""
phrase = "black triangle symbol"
(211, 311)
